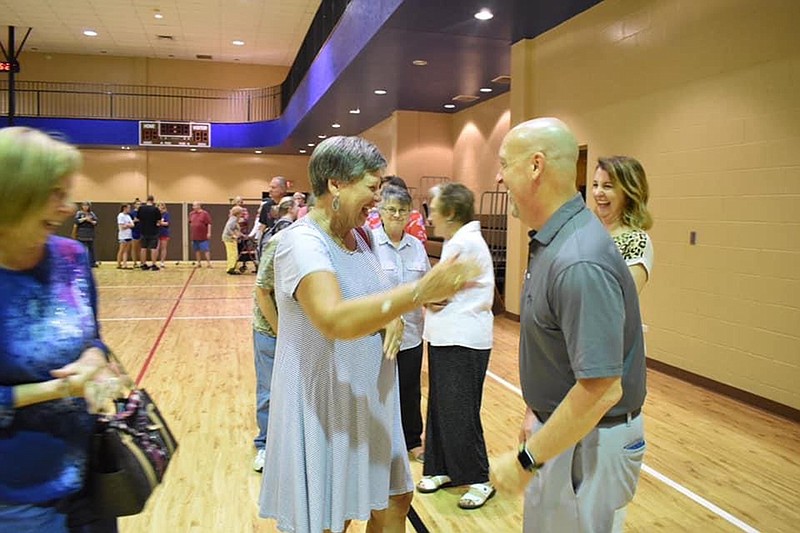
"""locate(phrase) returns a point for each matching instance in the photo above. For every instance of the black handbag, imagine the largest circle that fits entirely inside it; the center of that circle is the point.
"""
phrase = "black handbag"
(131, 449)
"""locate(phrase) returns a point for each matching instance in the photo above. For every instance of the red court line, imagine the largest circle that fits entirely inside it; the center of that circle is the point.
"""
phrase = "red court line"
(152, 353)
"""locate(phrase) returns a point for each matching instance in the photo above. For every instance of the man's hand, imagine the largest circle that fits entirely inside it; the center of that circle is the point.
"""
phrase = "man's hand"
(507, 475)
(526, 430)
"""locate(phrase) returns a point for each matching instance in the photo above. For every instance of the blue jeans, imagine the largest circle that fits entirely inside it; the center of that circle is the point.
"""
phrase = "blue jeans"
(264, 348)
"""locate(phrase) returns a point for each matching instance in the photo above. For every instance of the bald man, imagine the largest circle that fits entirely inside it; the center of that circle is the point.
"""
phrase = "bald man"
(582, 361)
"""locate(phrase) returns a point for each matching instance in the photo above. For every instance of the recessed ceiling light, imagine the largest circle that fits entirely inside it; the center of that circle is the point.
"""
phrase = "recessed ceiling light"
(259, 151)
(449, 106)
(355, 111)
(336, 125)
(484, 14)
(192, 149)
(485, 89)
(90, 33)
(322, 136)
(303, 150)
(379, 91)
(237, 42)
(310, 144)
(158, 16)
(419, 62)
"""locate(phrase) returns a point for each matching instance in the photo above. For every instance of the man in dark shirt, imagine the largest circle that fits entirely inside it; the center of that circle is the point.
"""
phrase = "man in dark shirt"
(267, 218)
(582, 363)
(149, 216)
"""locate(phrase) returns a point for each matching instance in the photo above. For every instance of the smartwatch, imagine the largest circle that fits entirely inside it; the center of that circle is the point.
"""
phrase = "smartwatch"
(526, 460)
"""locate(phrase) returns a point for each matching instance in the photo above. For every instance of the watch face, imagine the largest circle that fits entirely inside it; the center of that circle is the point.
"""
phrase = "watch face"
(525, 459)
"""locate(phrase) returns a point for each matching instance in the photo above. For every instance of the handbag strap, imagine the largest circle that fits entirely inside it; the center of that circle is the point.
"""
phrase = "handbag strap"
(118, 369)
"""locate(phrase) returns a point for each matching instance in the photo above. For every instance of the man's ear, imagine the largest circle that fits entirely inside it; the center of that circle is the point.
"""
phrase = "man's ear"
(537, 162)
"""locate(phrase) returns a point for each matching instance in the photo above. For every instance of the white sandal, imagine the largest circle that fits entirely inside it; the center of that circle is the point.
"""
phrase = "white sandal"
(430, 484)
(477, 495)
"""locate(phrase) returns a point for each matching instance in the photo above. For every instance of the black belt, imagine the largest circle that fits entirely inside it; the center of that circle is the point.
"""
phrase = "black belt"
(611, 420)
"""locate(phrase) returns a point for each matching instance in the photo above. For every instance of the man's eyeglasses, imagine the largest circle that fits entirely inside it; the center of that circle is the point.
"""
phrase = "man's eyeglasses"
(393, 211)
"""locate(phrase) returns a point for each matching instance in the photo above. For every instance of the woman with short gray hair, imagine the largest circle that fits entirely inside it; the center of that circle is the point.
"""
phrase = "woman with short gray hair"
(335, 450)
(404, 259)
(459, 334)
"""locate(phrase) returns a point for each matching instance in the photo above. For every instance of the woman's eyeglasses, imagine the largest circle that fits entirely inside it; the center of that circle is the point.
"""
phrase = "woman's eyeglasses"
(395, 212)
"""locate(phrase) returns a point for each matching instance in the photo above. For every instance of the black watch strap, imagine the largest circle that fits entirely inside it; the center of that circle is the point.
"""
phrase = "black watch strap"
(526, 460)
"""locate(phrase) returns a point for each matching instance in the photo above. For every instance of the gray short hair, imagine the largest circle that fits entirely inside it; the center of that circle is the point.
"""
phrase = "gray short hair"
(456, 201)
(346, 159)
(31, 162)
(394, 193)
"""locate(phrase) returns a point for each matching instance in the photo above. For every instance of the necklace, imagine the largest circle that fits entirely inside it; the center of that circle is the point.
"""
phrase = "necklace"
(324, 224)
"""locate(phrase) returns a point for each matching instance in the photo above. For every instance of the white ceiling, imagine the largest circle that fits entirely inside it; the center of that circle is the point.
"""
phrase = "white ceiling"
(272, 30)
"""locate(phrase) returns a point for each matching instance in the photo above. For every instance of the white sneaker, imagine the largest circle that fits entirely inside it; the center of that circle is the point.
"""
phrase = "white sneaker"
(258, 462)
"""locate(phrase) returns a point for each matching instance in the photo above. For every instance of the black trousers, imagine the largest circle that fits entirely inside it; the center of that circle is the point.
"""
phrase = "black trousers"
(454, 443)
(409, 367)
(90, 247)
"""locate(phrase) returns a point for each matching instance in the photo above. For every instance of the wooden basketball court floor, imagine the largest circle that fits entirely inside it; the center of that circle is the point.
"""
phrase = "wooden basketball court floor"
(712, 464)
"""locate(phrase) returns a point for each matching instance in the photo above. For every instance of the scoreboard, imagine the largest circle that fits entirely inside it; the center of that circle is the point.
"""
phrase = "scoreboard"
(9, 66)
(170, 133)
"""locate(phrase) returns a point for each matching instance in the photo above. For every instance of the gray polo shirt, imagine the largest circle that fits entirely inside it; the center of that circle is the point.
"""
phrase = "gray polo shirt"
(579, 314)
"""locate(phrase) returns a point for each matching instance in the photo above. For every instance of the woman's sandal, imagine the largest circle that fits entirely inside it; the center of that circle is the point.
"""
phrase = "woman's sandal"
(477, 495)
(429, 484)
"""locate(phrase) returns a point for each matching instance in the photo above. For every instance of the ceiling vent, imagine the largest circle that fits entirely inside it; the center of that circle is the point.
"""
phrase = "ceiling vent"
(505, 80)
(165, 37)
(204, 56)
(465, 98)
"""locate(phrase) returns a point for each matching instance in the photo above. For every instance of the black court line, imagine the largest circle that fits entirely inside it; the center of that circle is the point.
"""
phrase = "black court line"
(416, 521)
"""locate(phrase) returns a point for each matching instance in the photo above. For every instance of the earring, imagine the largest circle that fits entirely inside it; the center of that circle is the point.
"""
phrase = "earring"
(335, 203)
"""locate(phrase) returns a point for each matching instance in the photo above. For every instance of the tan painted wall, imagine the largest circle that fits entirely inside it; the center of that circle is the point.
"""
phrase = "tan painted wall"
(113, 175)
(707, 95)
(477, 134)
(384, 136)
(147, 71)
(424, 146)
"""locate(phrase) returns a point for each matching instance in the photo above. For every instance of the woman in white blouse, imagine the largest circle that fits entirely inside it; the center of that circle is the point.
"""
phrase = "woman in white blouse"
(459, 334)
(620, 193)
(404, 260)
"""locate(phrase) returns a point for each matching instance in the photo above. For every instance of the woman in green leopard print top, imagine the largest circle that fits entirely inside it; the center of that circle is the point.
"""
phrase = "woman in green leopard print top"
(620, 192)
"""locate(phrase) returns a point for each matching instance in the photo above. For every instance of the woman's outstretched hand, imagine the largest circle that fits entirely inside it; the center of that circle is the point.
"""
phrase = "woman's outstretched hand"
(447, 278)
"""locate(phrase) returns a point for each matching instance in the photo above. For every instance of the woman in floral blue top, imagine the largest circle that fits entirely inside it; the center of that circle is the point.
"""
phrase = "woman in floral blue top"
(50, 345)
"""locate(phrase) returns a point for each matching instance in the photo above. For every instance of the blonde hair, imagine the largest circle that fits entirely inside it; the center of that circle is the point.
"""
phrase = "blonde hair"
(31, 162)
